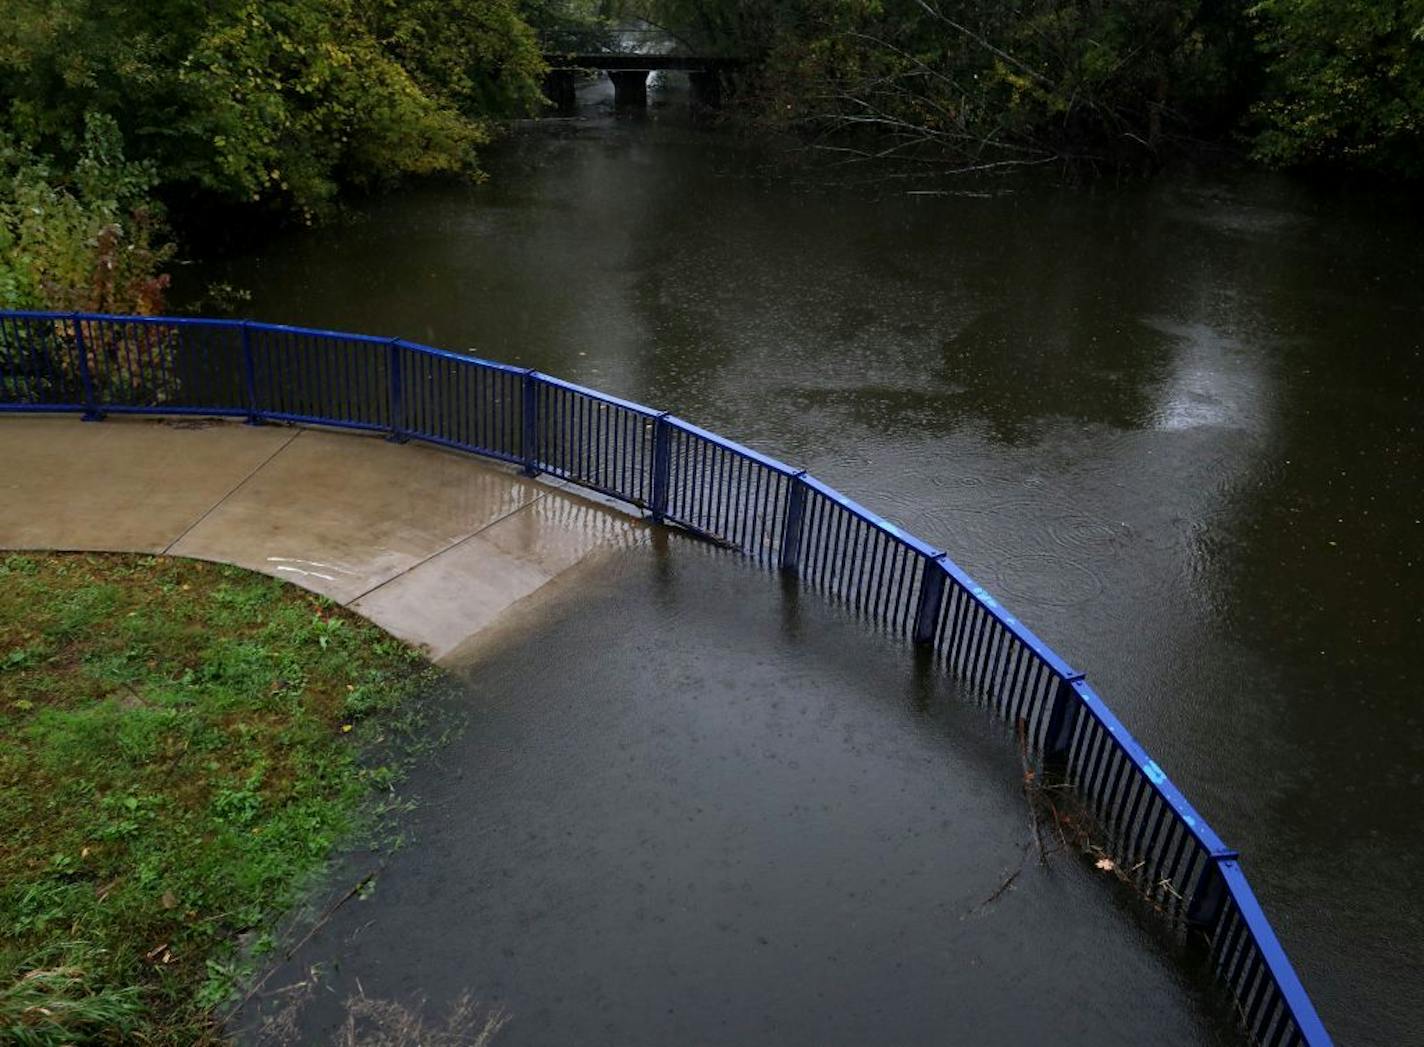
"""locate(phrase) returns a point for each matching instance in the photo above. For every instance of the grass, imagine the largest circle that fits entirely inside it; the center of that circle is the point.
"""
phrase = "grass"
(181, 747)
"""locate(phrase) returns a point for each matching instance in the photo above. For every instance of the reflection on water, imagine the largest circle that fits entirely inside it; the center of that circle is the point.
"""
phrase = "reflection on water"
(1213, 382)
(1176, 425)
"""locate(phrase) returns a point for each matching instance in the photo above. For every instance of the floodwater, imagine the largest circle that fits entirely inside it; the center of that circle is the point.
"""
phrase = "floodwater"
(1175, 426)
(689, 808)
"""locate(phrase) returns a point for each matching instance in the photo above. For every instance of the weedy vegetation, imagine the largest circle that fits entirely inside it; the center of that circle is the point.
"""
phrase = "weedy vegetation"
(182, 745)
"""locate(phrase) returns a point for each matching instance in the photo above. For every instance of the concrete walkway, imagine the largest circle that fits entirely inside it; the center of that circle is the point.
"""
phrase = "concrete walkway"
(433, 546)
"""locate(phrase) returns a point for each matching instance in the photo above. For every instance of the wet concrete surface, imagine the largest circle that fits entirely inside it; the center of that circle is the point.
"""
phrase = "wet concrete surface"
(123, 486)
(691, 808)
(433, 546)
(344, 515)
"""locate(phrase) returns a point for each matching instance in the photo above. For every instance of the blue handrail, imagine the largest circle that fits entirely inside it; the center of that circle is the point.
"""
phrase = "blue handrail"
(96, 364)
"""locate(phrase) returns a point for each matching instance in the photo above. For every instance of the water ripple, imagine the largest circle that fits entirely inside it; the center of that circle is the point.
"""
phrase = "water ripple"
(1046, 580)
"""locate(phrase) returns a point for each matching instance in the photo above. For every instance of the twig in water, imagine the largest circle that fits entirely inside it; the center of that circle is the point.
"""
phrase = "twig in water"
(1008, 882)
(1029, 782)
(330, 912)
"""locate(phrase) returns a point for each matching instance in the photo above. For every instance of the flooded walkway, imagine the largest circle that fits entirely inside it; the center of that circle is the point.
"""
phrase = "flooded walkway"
(744, 819)
(432, 546)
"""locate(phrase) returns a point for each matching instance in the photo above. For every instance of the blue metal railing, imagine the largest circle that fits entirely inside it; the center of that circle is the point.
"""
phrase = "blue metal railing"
(686, 476)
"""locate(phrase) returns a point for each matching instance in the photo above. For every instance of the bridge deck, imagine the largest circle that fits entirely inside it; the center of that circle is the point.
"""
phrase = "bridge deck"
(434, 547)
(639, 63)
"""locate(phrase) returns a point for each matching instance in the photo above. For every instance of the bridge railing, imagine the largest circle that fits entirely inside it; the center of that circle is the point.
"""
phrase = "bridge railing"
(697, 480)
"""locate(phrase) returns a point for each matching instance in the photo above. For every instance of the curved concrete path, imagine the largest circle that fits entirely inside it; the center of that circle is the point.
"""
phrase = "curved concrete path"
(433, 546)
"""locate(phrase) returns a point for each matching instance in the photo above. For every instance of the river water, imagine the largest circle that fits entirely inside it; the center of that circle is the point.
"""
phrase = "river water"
(1176, 426)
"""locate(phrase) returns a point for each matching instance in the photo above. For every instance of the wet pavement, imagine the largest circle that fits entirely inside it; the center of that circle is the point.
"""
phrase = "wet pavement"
(434, 547)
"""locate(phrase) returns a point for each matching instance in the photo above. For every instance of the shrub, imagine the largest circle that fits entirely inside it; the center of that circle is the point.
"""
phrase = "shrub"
(1345, 84)
(90, 240)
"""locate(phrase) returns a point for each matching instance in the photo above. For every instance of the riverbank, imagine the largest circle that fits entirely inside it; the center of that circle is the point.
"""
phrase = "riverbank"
(181, 746)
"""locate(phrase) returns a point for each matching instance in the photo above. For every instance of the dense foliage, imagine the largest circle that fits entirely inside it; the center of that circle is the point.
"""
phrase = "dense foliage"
(283, 101)
(280, 104)
(999, 82)
(1346, 83)
(86, 240)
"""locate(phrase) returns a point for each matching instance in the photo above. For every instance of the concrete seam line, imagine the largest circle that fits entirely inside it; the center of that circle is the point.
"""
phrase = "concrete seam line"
(219, 503)
(441, 552)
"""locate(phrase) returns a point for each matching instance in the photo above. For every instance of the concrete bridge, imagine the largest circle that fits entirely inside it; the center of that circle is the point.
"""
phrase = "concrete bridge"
(629, 73)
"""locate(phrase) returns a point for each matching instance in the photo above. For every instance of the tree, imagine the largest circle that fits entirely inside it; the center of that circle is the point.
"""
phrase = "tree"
(1345, 84)
(276, 101)
(88, 240)
(982, 83)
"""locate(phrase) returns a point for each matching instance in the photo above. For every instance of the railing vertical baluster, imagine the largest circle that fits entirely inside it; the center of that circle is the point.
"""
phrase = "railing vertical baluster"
(529, 446)
(130, 361)
(86, 380)
(1207, 900)
(396, 386)
(931, 597)
(662, 457)
(249, 376)
(790, 559)
(1063, 717)
(25, 342)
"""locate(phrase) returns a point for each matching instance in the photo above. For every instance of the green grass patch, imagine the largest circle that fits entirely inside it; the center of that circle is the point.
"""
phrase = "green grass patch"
(181, 746)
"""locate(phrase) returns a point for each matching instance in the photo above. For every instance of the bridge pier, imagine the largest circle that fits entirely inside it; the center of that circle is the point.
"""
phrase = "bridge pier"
(706, 89)
(707, 76)
(559, 89)
(630, 88)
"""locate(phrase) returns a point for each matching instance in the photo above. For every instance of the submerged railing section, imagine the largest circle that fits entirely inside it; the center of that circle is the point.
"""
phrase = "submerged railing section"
(686, 476)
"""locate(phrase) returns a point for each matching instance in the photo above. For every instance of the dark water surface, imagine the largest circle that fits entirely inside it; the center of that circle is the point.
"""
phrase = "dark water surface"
(1175, 426)
(687, 809)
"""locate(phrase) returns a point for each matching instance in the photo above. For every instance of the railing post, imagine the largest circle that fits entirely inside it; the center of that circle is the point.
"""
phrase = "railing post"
(791, 525)
(86, 380)
(1206, 901)
(529, 439)
(931, 600)
(249, 377)
(1062, 719)
(397, 392)
(662, 467)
